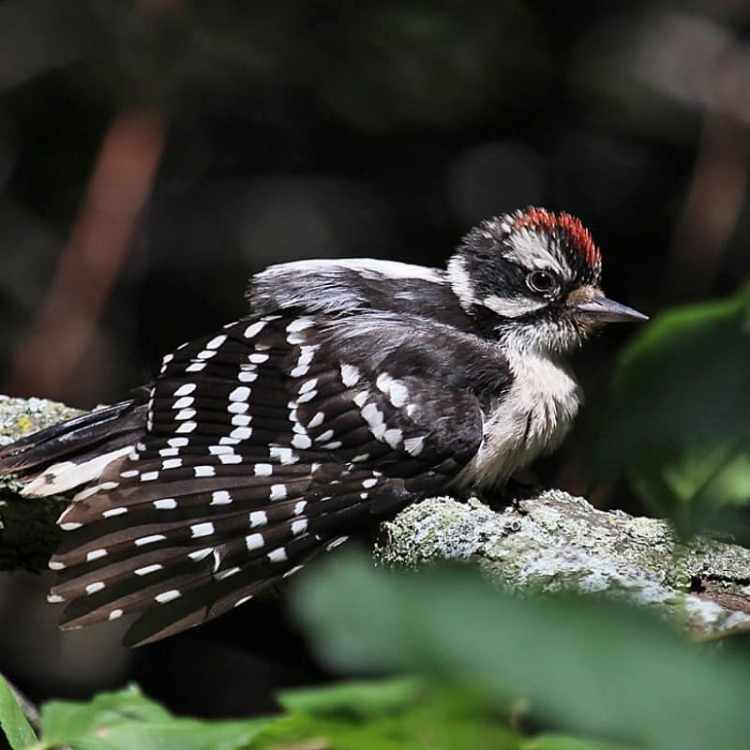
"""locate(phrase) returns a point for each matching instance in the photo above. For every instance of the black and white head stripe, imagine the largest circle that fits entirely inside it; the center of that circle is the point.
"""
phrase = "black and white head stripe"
(493, 266)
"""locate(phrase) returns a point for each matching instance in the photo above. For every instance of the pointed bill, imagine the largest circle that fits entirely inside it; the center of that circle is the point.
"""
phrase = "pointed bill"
(606, 310)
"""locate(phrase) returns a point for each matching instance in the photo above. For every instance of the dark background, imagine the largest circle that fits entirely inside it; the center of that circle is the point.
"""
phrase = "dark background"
(154, 154)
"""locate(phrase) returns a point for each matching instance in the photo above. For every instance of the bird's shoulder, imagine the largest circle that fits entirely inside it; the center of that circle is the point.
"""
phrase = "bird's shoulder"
(349, 286)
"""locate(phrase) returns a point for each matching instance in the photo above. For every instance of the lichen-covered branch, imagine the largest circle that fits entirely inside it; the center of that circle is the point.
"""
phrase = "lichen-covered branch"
(28, 533)
(550, 542)
(556, 541)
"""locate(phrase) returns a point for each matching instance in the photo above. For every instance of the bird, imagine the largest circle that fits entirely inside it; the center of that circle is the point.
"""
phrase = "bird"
(351, 389)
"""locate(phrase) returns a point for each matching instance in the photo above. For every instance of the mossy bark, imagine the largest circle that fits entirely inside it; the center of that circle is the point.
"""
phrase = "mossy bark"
(547, 543)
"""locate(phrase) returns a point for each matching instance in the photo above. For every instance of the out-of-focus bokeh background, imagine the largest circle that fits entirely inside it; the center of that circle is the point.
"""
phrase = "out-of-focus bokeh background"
(155, 153)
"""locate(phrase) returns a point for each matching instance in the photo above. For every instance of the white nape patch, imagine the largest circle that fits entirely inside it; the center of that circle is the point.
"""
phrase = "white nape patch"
(69, 475)
(507, 307)
(95, 554)
(149, 539)
(532, 418)
(167, 503)
(253, 330)
(92, 588)
(168, 596)
(220, 497)
(349, 375)
(115, 614)
(460, 281)
(201, 529)
(114, 512)
(278, 492)
(414, 445)
(216, 342)
(278, 555)
(254, 541)
(185, 390)
(263, 470)
(258, 518)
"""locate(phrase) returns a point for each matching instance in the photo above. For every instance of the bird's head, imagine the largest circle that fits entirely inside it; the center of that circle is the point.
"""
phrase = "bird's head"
(532, 278)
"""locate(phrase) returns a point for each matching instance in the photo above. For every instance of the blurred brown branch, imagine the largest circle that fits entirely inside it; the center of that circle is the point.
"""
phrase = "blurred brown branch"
(67, 322)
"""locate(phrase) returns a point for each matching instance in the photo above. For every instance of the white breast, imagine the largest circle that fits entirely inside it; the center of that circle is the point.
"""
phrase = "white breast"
(533, 417)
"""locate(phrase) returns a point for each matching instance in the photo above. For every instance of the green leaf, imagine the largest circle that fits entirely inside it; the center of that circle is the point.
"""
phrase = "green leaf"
(12, 720)
(606, 670)
(361, 699)
(402, 714)
(561, 742)
(679, 428)
(128, 719)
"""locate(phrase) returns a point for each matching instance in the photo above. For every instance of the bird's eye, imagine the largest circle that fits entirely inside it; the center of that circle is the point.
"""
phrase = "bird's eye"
(542, 282)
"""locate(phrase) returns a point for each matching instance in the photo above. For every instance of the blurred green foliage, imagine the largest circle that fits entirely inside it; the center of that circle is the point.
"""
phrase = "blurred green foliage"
(491, 666)
(12, 720)
(680, 430)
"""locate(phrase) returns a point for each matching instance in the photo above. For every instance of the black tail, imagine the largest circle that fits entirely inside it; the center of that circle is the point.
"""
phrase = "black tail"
(71, 453)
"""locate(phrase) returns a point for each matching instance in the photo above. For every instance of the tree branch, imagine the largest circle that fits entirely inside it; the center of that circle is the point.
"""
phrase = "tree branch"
(551, 542)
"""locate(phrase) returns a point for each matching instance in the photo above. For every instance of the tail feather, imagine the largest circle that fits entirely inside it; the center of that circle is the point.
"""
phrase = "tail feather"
(76, 451)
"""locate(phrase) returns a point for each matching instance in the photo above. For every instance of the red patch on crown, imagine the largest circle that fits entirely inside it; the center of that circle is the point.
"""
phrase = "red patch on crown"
(541, 220)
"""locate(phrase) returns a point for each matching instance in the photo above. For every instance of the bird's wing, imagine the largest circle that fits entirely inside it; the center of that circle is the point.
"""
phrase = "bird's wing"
(265, 444)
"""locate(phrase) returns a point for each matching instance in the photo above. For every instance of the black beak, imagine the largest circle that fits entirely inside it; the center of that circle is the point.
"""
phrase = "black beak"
(606, 310)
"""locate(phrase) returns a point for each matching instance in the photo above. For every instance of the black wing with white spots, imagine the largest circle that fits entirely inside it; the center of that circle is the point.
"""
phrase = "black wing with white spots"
(265, 444)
